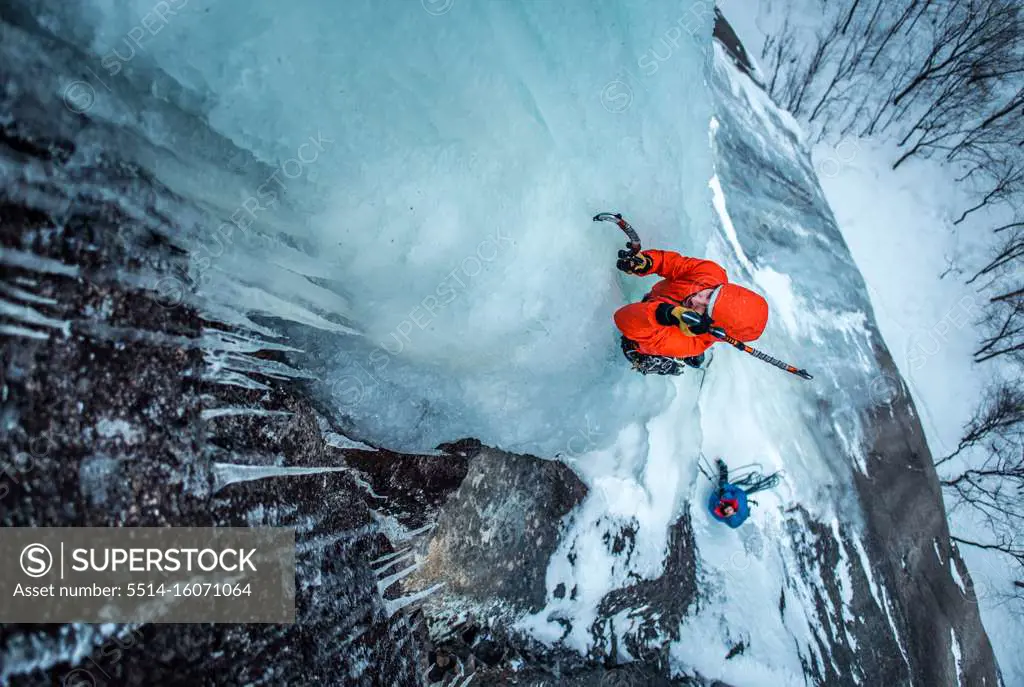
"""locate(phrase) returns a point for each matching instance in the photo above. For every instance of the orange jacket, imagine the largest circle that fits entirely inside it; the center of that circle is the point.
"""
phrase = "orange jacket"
(682, 277)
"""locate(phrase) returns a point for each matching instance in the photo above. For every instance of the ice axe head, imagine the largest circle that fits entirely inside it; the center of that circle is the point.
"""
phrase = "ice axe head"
(690, 318)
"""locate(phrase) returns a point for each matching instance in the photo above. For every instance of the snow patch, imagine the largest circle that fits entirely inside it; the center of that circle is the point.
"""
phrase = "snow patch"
(955, 574)
(784, 302)
(119, 429)
(957, 656)
(718, 200)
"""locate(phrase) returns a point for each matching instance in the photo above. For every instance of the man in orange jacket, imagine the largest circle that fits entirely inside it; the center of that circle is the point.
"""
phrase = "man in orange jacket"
(654, 337)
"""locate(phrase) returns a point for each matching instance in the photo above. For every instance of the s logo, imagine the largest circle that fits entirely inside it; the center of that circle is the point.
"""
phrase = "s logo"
(36, 560)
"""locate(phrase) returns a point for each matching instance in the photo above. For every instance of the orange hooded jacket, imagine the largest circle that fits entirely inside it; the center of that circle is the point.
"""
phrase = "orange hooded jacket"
(742, 312)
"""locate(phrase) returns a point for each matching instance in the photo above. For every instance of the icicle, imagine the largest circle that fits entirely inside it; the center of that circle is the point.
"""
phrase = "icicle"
(27, 315)
(389, 556)
(212, 413)
(381, 569)
(392, 606)
(230, 473)
(37, 263)
(12, 330)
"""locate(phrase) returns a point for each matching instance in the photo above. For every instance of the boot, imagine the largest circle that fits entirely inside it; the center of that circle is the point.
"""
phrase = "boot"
(723, 473)
(695, 361)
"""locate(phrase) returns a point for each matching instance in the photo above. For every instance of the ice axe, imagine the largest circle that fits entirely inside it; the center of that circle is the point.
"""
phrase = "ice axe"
(691, 318)
(634, 241)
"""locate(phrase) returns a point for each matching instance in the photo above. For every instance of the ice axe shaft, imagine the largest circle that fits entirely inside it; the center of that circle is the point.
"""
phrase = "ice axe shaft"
(692, 318)
(765, 357)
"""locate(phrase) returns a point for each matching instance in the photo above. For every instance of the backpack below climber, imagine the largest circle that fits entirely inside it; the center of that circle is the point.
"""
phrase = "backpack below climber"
(657, 335)
(728, 502)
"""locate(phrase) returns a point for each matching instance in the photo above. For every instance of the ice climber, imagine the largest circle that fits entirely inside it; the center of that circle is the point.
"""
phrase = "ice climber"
(728, 502)
(655, 338)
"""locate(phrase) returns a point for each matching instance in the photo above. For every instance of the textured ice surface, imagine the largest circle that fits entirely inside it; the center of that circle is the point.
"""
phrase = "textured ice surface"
(455, 162)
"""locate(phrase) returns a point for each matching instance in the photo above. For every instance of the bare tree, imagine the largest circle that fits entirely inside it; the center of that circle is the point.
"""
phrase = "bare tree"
(994, 487)
(1003, 178)
(1002, 278)
(1004, 546)
(1003, 124)
(1000, 420)
(1011, 251)
(1005, 321)
(971, 39)
(942, 77)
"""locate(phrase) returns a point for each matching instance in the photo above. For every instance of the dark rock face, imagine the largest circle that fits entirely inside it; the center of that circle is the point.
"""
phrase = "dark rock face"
(669, 597)
(844, 641)
(157, 472)
(906, 520)
(727, 38)
(416, 486)
(495, 536)
(491, 549)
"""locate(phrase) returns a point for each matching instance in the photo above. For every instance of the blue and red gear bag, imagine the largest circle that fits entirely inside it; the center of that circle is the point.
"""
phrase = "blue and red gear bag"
(731, 495)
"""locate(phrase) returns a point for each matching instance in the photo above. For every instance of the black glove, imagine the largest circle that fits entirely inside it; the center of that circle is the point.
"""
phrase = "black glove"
(663, 315)
(697, 323)
(634, 263)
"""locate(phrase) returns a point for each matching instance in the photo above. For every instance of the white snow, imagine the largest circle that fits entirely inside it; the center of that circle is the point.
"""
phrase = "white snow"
(718, 199)
(898, 226)
(895, 225)
(636, 483)
(865, 564)
(118, 428)
(644, 478)
(955, 574)
(778, 288)
(957, 656)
